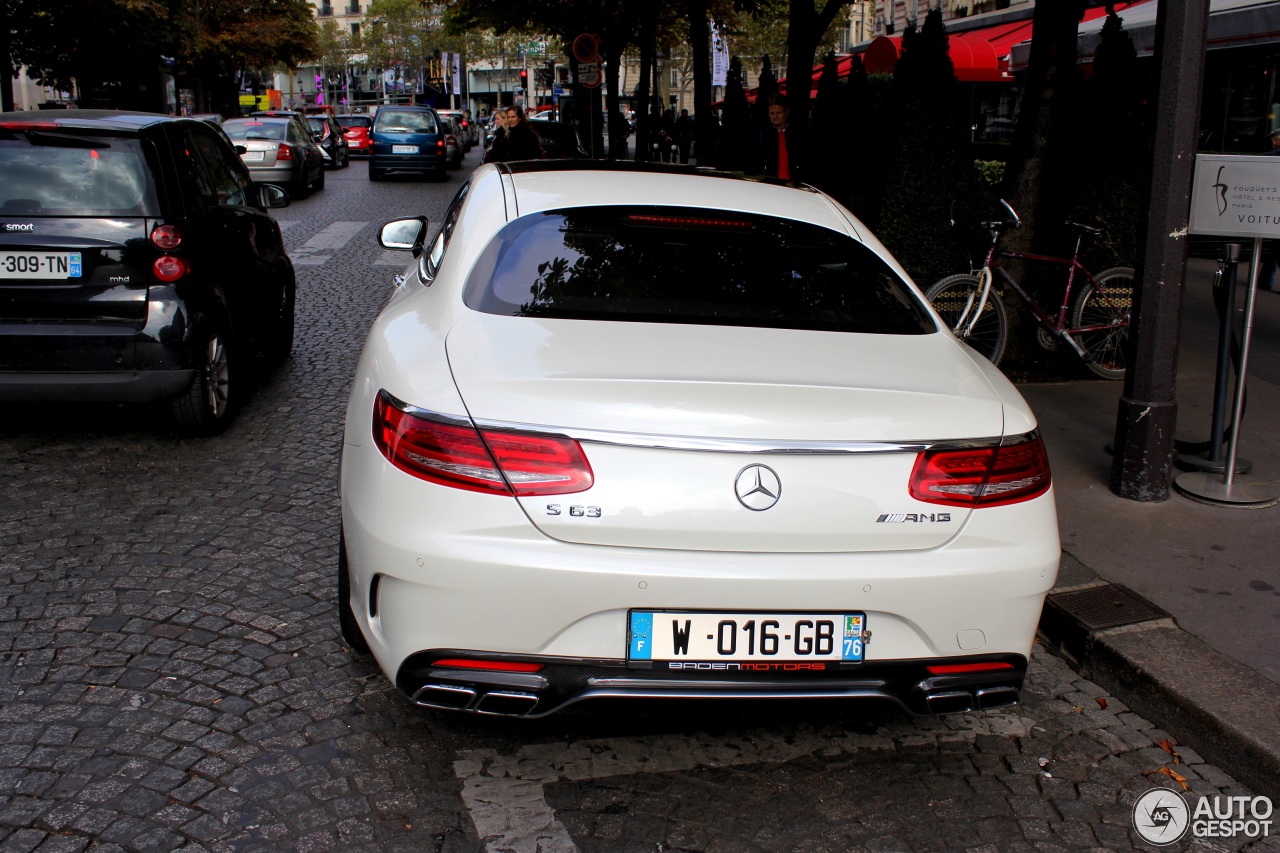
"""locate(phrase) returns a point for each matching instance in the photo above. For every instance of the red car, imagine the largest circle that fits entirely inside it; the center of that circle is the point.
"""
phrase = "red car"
(355, 129)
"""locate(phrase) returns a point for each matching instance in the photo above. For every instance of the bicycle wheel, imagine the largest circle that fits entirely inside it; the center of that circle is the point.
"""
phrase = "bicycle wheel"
(954, 297)
(1106, 304)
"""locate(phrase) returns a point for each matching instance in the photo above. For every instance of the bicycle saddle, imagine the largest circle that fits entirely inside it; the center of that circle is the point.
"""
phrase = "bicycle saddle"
(1084, 229)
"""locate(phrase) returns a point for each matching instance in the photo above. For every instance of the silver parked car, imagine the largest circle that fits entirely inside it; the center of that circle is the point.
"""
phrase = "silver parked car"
(280, 151)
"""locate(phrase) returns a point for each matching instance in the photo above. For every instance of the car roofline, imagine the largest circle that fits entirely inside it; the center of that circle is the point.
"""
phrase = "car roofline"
(524, 167)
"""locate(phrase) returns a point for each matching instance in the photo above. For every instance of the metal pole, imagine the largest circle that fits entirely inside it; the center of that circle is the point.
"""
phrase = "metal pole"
(1230, 262)
(1237, 411)
(1205, 487)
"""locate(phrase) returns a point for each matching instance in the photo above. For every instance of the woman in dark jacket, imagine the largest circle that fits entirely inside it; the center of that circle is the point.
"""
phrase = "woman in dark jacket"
(522, 142)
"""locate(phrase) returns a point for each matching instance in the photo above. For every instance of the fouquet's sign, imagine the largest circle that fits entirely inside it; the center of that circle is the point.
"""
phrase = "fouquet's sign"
(1236, 196)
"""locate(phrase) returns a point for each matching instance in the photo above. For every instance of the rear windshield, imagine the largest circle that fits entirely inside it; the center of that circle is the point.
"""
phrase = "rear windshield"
(677, 265)
(404, 121)
(247, 128)
(348, 122)
(63, 173)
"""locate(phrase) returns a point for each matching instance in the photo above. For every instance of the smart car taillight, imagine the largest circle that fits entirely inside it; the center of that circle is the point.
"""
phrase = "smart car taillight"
(166, 237)
(458, 455)
(169, 268)
(284, 152)
(981, 477)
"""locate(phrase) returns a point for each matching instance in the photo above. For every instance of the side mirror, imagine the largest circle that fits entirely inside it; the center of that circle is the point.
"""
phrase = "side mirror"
(240, 149)
(404, 234)
(273, 195)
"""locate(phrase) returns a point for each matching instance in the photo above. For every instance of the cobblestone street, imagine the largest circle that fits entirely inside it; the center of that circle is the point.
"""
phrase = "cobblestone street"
(171, 674)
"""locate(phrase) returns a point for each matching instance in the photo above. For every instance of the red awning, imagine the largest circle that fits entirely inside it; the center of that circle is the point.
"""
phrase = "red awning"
(979, 55)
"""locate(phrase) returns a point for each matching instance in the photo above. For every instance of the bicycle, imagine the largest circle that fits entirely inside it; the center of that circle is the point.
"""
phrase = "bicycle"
(974, 310)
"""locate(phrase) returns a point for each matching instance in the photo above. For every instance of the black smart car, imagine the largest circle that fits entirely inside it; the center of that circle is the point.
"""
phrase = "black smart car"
(138, 263)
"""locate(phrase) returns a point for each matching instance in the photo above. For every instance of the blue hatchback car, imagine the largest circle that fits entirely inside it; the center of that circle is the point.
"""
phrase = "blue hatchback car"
(407, 139)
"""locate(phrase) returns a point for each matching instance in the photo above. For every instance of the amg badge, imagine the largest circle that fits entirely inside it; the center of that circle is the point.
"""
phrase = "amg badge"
(903, 517)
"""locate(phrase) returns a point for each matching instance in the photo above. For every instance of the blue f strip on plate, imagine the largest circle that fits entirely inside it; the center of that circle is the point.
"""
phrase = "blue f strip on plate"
(641, 636)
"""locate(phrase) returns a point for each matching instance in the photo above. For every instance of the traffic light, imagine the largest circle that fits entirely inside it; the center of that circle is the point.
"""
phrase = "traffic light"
(524, 79)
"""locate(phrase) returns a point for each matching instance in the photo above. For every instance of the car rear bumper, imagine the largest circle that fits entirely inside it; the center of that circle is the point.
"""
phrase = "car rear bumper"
(561, 682)
(407, 162)
(440, 569)
(94, 387)
(278, 174)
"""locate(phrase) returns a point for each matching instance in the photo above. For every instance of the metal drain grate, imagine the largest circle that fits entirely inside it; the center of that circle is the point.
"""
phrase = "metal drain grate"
(1106, 606)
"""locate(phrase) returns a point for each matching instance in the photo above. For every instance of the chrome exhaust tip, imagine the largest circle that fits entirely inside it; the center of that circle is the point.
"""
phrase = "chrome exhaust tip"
(448, 696)
(950, 702)
(996, 697)
(506, 704)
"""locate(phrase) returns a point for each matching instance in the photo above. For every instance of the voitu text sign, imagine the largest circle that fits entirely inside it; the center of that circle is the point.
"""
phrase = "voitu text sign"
(1236, 196)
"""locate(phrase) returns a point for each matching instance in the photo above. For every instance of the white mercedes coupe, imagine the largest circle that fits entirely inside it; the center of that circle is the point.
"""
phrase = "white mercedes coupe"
(659, 432)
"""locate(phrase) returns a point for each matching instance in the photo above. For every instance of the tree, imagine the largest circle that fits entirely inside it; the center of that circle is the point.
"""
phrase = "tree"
(335, 57)
(807, 22)
(1117, 159)
(403, 37)
(927, 173)
(210, 41)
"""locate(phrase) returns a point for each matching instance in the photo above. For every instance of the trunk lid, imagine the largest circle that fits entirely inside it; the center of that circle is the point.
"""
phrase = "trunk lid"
(674, 419)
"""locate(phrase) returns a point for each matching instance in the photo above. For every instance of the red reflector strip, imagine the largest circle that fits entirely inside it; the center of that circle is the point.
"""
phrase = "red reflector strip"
(493, 665)
(687, 221)
(953, 668)
(28, 125)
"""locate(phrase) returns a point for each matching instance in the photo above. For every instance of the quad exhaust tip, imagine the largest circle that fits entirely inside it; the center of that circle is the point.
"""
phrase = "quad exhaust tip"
(962, 701)
(452, 697)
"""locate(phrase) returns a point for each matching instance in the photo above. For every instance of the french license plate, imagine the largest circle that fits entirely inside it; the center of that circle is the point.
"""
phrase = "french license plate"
(253, 156)
(40, 265)
(404, 149)
(681, 636)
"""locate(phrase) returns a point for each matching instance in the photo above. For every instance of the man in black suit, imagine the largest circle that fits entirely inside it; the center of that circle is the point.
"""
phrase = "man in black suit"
(781, 151)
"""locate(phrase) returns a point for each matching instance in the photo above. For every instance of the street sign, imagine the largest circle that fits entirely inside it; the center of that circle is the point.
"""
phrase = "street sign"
(1236, 195)
(589, 74)
(586, 48)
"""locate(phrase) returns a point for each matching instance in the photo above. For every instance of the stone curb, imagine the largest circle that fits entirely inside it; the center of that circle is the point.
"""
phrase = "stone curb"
(1221, 708)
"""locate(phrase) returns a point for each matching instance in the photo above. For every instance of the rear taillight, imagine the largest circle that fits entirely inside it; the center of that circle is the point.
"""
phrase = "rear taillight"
(284, 152)
(168, 268)
(440, 144)
(463, 457)
(989, 476)
(166, 237)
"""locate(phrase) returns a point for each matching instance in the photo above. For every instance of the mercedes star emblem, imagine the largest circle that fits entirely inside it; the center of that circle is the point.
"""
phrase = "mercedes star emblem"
(757, 487)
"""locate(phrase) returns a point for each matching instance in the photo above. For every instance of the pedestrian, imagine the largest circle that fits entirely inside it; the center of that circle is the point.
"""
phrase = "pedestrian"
(524, 143)
(499, 148)
(684, 135)
(781, 151)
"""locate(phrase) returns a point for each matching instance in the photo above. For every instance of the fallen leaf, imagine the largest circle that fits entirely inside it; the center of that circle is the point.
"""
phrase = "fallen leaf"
(1102, 703)
(1167, 746)
(1078, 710)
(1177, 777)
